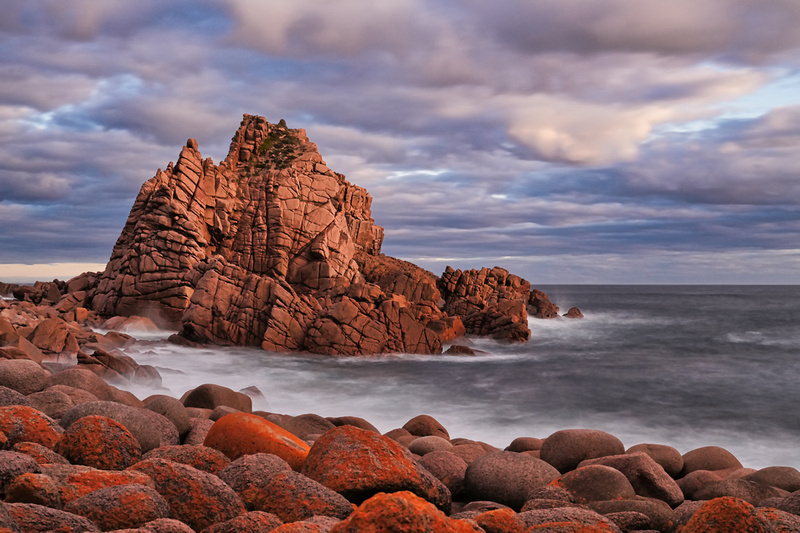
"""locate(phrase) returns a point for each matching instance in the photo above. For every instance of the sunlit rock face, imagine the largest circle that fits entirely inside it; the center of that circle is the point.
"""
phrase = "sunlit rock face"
(272, 248)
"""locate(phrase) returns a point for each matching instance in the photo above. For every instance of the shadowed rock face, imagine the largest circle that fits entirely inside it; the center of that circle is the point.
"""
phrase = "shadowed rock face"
(271, 248)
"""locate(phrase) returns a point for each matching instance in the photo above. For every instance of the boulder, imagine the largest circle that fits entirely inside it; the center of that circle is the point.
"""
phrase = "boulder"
(54, 336)
(661, 516)
(99, 442)
(34, 488)
(81, 378)
(120, 507)
(708, 458)
(196, 498)
(500, 521)
(53, 403)
(172, 409)
(21, 423)
(594, 483)
(41, 454)
(23, 375)
(448, 468)
(646, 476)
(139, 422)
(565, 449)
(358, 464)
(200, 457)
(250, 475)
(75, 481)
(238, 434)
(400, 511)
(210, 396)
(726, 514)
(507, 477)
(34, 518)
(524, 444)
(424, 425)
(293, 497)
(13, 464)
(572, 518)
(431, 443)
(251, 522)
(782, 477)
(750, 491)
(668, 457)
(12, 397)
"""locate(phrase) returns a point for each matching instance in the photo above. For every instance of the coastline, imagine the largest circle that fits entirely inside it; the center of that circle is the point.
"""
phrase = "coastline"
(556, 490)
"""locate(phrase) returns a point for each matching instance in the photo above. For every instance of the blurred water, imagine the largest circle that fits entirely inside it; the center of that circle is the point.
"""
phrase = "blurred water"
(685, 366)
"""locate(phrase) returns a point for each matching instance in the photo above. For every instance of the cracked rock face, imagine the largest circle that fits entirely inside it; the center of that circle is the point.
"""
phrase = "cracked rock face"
(272, 248)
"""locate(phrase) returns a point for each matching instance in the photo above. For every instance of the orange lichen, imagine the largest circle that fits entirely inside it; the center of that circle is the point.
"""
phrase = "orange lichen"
(400, 511)
(79, 484)
(100, 442)
(21, 423)
(238, 434)
(500, 521)
(724, 515)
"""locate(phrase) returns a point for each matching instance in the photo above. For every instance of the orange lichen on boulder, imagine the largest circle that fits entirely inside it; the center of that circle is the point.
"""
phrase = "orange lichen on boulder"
(79, 483)
(99, 442)
(500, 521)
(120, 507)
(240, 434)
(400, 511)
(358, 464)
(197, 498)
(725, 515)
(26, 424)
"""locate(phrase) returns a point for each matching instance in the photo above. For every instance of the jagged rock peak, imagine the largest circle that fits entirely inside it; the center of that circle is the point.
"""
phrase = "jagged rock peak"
(272, 248)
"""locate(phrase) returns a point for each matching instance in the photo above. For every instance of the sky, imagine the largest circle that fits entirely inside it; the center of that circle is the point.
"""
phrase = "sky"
(569, 141)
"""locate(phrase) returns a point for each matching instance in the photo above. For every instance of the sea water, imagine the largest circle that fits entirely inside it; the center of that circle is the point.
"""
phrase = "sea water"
(686, 366)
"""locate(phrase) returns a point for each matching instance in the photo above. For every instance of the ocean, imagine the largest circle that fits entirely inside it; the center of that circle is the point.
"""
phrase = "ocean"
(686, 366)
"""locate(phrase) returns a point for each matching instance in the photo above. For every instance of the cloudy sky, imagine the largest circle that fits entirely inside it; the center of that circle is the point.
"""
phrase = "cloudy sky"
(571, 141)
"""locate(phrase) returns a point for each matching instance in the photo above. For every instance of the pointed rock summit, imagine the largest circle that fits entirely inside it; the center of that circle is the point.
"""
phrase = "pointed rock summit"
(272, 248)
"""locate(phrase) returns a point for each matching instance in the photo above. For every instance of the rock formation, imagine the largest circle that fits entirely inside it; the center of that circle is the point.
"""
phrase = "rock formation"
(272, 248)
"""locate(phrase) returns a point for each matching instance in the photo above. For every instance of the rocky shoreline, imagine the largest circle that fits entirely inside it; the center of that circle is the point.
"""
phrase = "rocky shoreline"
(77, 453)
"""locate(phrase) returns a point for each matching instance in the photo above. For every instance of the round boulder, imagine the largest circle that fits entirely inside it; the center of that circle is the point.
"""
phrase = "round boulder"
(525, 444)
(249, 475)
(358, 464)
(200, 457)
(507, 477)
(726, 514)
(668, 457)
(424, 425)
(140, 422)
(51, 402)
(431, 443)
(782, 477)
(708, 458)
(26, 424)
(448, 468)
(99, 442)
(196, 498)
(41, 454)
(120, 507)
(251, 522)
(81, 378)
(23, 375)
(293, 497)
(10, 396)
(239, 434)
(565, 449)
(596, 483)
(13, 464)
(172, 409)
(34, 488)
(210, 396)
(647, 477)
(32, 517)
(399, 511)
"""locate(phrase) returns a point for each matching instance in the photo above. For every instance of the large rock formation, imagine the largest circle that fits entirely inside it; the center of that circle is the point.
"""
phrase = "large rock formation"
(272, 248)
